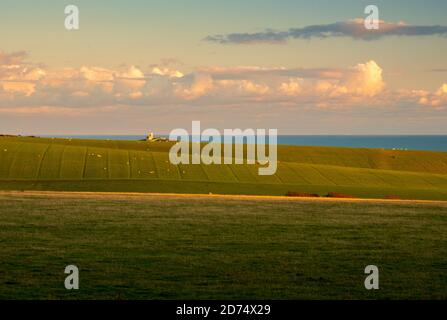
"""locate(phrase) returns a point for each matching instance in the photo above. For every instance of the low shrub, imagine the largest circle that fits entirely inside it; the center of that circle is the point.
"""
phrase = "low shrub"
(393, 197)
(339, 195)
(302, 194)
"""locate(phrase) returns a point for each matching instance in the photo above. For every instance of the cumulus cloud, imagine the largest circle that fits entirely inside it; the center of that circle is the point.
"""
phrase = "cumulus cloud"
(163, 71)
(13, 58)
(367, 80)
(435, 99)
(292, 87)
(18, 78)
(353, 28)
(200, 85)
(26, 88)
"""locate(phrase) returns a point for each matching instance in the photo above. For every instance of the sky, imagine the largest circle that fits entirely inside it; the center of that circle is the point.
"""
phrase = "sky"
(302, 67)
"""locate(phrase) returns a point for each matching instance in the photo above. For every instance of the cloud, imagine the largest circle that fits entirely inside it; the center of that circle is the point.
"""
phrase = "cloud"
(48, 110)
(353, 28)
(13, 58)
(292, 87)
(253, 84)
(256, 72)
(16, 77)
(367, 80)
(167, 72)
(34, 89)
(200, 85)
(437, 99)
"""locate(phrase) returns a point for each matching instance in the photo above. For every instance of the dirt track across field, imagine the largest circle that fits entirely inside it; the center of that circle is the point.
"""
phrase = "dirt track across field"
(211, 196)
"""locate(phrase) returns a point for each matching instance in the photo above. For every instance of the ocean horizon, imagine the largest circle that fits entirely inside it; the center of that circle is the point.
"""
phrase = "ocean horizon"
(405, 142)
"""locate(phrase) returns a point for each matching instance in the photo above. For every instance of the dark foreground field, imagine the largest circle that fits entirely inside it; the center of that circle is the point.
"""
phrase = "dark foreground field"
(159, 247)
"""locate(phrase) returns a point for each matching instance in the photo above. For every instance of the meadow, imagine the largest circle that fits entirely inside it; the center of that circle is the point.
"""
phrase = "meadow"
(172, 247)
(144, 246)
(138, 166)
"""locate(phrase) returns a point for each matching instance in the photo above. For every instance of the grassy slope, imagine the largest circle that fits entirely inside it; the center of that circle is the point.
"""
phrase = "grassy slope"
(150, 248)
(63, 164)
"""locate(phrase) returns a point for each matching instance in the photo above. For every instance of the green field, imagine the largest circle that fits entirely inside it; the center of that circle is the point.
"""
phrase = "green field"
(139, 166)
(158, 247)
(164, 247)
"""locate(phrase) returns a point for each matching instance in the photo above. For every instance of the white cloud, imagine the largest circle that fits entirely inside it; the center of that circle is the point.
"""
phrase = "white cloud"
(436, 99)
(292, 87)
(23, 86)
(167, 72)
(367, 80)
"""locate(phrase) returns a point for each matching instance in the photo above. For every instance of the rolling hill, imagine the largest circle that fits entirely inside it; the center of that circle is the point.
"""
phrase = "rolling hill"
(28, 163)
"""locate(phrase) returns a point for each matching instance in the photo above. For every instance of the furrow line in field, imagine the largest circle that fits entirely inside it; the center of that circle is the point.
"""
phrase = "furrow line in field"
(129, 162)
(59, 173)
(108, 163)
(296, 172)
(14, 159)
(157, 170)
(324, 176)
(41, 161)
(84, 167)
(232, 172)
(381, 178)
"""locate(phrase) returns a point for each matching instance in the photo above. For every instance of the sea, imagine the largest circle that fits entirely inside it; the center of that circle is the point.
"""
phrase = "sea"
(396, 142)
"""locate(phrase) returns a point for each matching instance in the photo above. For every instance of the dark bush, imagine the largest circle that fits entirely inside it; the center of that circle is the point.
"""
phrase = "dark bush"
(393, 197)
(339, 195)
(302, 194)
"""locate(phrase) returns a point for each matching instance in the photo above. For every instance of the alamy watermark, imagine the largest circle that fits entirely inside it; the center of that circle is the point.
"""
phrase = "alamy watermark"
(372, 20)
(372, 280)
(71, 21)
(252, 152)
(72, 280)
